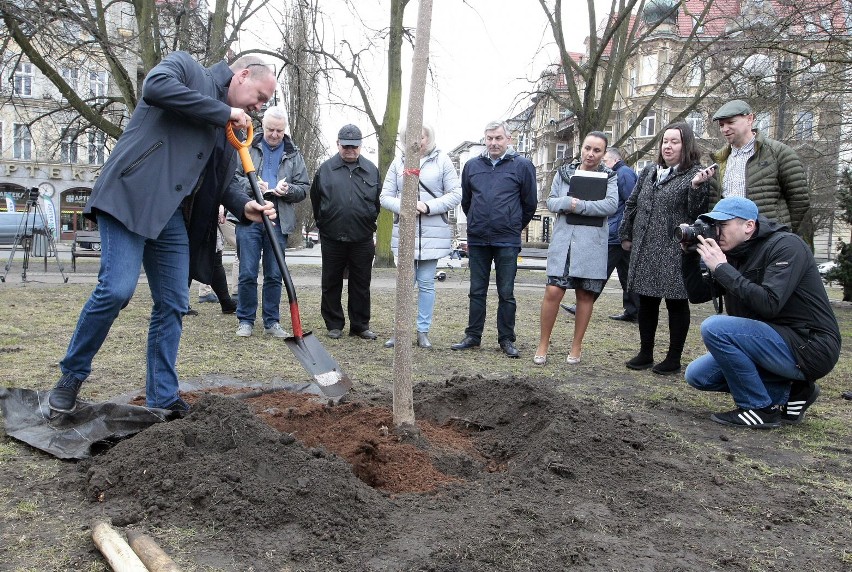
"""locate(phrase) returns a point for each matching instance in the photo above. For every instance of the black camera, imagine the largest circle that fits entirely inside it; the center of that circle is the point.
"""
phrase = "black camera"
(688, 235)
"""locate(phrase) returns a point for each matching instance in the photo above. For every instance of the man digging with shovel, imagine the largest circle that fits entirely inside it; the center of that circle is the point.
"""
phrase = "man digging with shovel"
(156, 182)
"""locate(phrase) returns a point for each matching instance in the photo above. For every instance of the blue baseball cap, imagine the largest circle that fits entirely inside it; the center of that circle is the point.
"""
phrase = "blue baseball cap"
(733, 207)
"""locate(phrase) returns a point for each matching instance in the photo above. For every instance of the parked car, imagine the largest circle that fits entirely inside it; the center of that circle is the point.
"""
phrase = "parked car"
(825, 267)
(89, 245)
(311, 238)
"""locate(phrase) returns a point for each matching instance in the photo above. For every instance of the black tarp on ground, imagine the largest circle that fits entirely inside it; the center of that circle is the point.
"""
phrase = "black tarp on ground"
(92, 427)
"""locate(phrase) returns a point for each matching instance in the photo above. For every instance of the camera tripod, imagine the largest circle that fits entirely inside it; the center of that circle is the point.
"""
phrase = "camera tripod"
(25, 236)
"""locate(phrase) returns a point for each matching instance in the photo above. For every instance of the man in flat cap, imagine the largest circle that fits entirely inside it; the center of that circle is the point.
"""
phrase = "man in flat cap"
(345, 199)
(754, 166)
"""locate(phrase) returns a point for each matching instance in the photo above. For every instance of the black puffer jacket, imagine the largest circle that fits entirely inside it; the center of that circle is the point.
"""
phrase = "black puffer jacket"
(773, 278)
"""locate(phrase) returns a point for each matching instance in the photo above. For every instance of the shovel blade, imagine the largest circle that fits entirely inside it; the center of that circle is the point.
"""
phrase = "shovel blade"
(319, 363)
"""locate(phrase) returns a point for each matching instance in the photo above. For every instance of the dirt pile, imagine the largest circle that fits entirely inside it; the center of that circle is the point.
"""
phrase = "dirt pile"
(553, 483)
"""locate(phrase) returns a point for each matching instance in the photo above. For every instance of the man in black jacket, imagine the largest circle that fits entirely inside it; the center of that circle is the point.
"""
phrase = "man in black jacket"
(780, 334)
(345, 199)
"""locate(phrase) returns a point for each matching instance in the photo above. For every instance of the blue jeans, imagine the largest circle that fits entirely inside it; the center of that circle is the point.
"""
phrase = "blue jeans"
(424, 276)
(505, 259)
(166, 263)
(747, 359)
(251, 241)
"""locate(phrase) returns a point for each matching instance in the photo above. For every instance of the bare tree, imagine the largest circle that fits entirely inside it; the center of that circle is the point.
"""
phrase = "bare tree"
(122, 39)
(343, 61)
(403, 397)
(792, 59)
(300, 86)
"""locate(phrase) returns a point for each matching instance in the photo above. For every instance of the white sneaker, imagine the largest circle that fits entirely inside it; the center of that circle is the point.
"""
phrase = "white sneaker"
(276, 330)
(244, 329)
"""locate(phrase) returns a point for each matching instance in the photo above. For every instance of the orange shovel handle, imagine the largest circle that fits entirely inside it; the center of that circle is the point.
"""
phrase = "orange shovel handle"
(242, 147)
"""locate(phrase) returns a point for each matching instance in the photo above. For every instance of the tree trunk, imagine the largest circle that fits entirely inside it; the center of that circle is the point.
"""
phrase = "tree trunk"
(403, 398)
(386, 132)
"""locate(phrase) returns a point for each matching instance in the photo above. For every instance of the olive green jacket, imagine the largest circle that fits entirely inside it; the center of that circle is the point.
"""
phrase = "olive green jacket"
(775, 181)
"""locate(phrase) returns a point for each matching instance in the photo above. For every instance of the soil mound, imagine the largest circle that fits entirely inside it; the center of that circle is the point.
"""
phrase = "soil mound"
(521, 477)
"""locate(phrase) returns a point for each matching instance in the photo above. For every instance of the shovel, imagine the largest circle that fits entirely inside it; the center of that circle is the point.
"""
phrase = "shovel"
(307, 349)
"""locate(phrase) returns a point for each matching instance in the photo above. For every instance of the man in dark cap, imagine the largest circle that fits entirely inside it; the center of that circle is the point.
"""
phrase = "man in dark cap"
(761, 169)
(345, 199)
(779, 335)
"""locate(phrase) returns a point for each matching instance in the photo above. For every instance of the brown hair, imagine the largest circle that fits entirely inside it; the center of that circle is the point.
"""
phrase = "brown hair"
(689, 153)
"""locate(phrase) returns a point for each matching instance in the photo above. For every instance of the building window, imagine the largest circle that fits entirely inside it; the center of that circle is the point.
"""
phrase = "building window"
(631, 88)
(649, 70)
(640, 165)
(24, 79)
(68, 150)
(694, 74)
(696, 121)
(762, 121)
(97, 84)
(804, 128)
(97, 142)
(648, 126)
(521, 140)
(608, 132)
(23, 143)
(561, 150)
(71, 77)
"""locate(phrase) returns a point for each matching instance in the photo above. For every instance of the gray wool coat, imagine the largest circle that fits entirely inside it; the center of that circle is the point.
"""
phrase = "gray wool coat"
(587, 244)
(653, 212)
(433, 236)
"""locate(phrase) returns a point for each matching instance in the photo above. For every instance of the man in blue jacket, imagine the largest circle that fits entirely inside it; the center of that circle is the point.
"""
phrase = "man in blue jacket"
(155, 183)
(617, 257)
(499, 198)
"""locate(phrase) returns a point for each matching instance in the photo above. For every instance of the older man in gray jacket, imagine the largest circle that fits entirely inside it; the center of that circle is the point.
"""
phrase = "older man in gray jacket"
(157, 175)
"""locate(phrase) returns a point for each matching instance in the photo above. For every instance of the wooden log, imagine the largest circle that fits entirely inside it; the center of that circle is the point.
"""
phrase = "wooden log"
(117, 552)
(147, 549)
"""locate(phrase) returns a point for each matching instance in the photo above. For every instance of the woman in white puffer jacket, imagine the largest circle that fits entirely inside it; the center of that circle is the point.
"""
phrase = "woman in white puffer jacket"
(440, 192)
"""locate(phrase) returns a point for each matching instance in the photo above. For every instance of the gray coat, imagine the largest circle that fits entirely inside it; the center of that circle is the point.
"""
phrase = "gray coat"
(433, 236)
(166, 146)
(653, 212)
(588, 245)
(292, 168)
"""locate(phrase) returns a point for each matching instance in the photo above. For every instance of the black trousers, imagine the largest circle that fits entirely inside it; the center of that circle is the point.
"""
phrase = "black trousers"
(618, 258)
(358, 257)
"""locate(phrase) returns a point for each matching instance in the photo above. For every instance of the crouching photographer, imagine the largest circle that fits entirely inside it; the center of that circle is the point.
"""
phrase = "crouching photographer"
(780, 334)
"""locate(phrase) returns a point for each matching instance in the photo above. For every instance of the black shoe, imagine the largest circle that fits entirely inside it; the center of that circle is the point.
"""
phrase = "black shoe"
(667, 367)
(191, 312)
(229, 307)
(623, 317)
(334, 334)
(846, 395)
(640, 362)
(365, 335)
(467, 343)
(509, 349)
(178, 405)
(390, 343)
(571, 309)
(801, 398)
(63, 397)
(766, 418)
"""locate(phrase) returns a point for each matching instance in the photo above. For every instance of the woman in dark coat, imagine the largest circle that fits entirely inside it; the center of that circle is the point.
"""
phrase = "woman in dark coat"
(671, 192)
